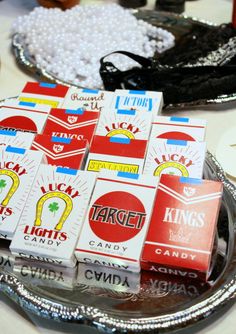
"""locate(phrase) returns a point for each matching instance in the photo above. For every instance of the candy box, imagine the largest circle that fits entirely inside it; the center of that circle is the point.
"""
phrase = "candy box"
(88, 99)
(71, 124)
(178, 128)
(176, 157)
(45, 93)
(7, 260)
(183, 225)
(117, 220)
(61, 151)
(125, 124)
(116, 153)
(18, 168)
(53, 215)
(148, 101)
(16, 138)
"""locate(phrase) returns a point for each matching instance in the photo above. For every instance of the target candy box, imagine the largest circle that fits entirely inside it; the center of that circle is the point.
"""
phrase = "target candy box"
(183, 225)
(18, 168)
(16, 138)
(53, 215)
(117, 220)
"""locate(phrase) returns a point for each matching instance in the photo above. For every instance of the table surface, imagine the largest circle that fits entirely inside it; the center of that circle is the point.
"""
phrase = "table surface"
(221, 119)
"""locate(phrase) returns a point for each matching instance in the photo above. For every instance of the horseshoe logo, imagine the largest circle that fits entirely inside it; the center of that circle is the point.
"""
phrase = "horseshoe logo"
(15, 184)
(65, 214)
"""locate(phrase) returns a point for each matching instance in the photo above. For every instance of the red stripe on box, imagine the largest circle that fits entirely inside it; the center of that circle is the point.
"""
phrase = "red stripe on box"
(184, 125)
(104, 254)
(130, 183)
(35, 88)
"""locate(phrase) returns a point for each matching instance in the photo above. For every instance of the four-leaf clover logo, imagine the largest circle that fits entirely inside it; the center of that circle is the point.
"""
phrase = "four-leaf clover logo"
(2, 185)
(53, 207)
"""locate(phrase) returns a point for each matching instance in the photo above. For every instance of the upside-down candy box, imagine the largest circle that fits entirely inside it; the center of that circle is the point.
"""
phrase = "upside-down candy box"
(61, 151)
(125, 124)
(88, 99)
(18, 168)
(176, 157)
(179, 128)
(72, 124)
(49, 94)
(140, 100)
(24, 116)
(116, 153)
(16, 138)
(183, 225)
(53, 215)
(6, 258)
(117, 220)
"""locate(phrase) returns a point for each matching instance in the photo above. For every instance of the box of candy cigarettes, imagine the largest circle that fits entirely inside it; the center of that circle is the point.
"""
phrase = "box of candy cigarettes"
(62, 152)
(115, 153)
(16, 138)
(124, 125)
(72, 124)
(18, 169)
(175, 157)
(117, 220)
(44, 93)
(100, 276)
(24, 116)
(88, 99)
(53, 215)
(148, 101)
(7, 260)
(178, 128)
(183, 225)
(42, 274)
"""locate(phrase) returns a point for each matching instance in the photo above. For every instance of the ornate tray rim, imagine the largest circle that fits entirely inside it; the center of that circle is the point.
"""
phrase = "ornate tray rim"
(91, 316)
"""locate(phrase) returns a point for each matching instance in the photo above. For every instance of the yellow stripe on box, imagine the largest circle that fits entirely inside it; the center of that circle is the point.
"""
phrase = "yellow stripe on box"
(51, 103)
(97, 165)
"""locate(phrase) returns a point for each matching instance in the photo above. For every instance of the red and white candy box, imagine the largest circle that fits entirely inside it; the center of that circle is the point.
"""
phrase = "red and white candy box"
(88, 99)
(116, 153)
(117, 220)
(61, 151)
(183, 225)
(16, 138)
(175, 157)
(178, 128)
(71, 124)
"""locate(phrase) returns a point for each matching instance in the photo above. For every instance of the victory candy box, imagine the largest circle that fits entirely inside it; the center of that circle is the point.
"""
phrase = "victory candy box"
(18, 168)
(16, 138)
(176, 157)
(117, 220)
(179, 128)
(61, 151)
(53, 215)
(183, 225)
(122, 154)
(44, 93)
(88, 99)
(71, 124)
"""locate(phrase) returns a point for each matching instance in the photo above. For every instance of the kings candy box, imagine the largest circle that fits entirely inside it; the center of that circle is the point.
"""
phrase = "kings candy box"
(16, 138)
(117, 220)
(176, 157)
(53, 215)
(18, 169)
(183, 225)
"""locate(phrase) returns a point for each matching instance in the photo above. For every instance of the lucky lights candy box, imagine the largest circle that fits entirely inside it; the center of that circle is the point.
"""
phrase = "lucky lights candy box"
(16, 138)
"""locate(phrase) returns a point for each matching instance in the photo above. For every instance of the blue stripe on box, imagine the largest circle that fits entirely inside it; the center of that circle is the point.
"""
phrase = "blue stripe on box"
(119, 140)
(179, 119)
(126, 111)
(8, 133)
(78, 111)
(27, 104)
(139, 92)
(176, 142)
(61, 140)
(17, 150)
(128, 175)
(68, 171)
(90, 91)
(117, 102)
(47, 85)
(190, 180)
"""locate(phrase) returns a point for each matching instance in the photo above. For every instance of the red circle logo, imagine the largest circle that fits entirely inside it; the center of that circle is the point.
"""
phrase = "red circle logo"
(117, 216)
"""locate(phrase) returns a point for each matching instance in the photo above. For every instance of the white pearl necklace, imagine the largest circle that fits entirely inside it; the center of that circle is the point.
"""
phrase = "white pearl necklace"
(70, 44)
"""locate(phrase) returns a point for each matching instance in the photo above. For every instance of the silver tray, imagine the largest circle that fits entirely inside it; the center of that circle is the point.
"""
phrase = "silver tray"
(177, 24)
(155, 307)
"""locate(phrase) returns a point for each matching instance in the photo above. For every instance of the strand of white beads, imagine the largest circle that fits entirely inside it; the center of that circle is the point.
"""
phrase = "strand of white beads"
(69, 44)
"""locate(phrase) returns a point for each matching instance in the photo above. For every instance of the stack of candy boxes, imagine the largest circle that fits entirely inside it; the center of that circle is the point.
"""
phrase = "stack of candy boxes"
(100, 178)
